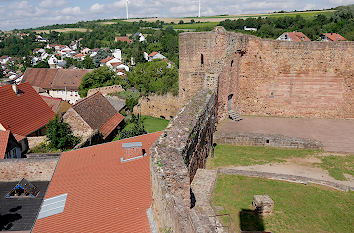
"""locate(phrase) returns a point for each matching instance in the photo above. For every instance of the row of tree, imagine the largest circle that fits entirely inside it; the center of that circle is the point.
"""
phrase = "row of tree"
(342, 22)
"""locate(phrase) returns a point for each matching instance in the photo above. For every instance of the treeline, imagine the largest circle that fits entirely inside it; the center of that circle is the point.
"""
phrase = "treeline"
(342, 22)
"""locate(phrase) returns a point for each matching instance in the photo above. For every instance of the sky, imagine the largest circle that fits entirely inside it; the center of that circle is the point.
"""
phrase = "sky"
(22, 14)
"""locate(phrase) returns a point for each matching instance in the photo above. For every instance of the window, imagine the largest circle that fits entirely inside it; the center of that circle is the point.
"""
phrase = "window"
(202, 59)
(232, 62)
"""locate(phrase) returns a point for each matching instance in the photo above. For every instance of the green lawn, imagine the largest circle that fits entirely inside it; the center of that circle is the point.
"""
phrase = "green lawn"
(338, 165)
(153, 124)
(230, 155)
(298, 208)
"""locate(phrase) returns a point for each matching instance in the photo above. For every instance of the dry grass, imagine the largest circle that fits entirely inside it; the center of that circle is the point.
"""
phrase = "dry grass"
(63, 30)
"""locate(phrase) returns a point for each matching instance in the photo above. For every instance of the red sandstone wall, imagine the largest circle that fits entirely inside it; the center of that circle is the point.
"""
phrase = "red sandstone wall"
(268, 77)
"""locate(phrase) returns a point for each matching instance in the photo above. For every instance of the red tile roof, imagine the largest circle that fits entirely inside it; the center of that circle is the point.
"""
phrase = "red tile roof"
(4, 139)
(123, 39)
(104, 194)
(111, 124)
(55, 79)
(298, 36)
(334, 37)
(153, 54)
(23, 113)
(107, 59)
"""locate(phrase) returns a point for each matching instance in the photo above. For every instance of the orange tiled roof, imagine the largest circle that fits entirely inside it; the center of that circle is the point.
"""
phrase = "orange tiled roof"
(104, 195)
(111, 124)
(4, 138)
(153, 54)
(298, 36)
(23, 113)
(107, 59)
(334, 37)
(123, 39)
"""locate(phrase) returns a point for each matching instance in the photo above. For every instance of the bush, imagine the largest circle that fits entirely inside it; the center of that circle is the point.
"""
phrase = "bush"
(60, 135)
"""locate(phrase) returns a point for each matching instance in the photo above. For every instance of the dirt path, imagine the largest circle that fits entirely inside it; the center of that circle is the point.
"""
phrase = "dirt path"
(299, 167)
(336, 135)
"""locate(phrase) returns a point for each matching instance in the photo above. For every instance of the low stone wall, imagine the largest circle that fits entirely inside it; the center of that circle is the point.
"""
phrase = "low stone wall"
(274, 140)
(35, 141)
(161, 106)
(105, 90)
(284, 177)
(30, 169)
(175, 158)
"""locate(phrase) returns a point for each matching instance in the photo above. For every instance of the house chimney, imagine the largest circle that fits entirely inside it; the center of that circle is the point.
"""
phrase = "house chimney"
(15, 87)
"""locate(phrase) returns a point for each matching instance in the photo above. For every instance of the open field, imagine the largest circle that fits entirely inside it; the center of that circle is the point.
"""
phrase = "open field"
(297, 208)
(307, 14)
(194, 25)
(63, 30)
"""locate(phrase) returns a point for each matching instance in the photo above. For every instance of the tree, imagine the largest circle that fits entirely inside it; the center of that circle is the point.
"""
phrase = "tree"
(155, 77)
(2, 75)
(60, 135)
(100, 77)
(88, 62)
(42, 64)
(134, 127)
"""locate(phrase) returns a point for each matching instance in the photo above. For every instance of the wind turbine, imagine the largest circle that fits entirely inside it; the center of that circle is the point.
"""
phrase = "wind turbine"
(198, 7)
(199, 10)
(126, 8)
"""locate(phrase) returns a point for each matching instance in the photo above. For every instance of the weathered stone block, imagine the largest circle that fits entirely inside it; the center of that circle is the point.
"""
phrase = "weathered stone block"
(263, 205)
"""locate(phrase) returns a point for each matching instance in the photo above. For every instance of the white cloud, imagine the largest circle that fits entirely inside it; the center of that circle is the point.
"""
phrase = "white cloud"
(52, 3)
(97, 7)
(71, 11)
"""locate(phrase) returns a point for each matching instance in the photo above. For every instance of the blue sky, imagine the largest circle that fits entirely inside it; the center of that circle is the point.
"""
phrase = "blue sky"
(33, 13)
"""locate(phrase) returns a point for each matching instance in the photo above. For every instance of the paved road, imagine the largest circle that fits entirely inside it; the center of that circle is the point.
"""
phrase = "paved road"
(335, 135)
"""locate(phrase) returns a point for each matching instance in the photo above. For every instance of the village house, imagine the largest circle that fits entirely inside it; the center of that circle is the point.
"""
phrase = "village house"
(58, 105)
(53, 61)
(9, 147)
(109, 60)
(57, 83)
(139, 36)
(123, 39)
(293, 36)
(115, 175)
(117, 53)
(155, 55)
(79, 57)
(332, 37)
(4, 59)
(94, 113)
(23, 112)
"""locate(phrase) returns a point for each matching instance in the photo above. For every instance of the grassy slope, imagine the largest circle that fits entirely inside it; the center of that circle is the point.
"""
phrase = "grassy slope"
(298, 208)
(230, 155)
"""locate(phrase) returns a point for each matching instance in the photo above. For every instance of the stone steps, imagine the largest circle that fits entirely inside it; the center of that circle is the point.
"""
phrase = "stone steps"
(234, 116)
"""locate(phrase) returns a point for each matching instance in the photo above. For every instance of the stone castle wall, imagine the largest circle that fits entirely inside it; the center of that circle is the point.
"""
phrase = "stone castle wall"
(269, 77)
(161, 106)
(175, 158)
(105, 90)
(31, 169)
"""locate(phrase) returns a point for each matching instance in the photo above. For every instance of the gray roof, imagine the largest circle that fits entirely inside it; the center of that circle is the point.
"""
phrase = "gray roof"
(116, 102)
